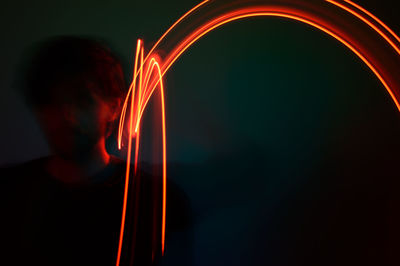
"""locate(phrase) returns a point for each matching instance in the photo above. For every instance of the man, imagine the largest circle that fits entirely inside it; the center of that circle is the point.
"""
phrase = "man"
(65, 209)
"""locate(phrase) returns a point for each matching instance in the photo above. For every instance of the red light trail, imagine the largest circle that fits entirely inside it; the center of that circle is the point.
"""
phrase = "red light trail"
(324, 15)
(138, 94)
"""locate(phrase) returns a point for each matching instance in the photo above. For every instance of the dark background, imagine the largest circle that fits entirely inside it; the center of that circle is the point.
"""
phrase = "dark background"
(285, 143)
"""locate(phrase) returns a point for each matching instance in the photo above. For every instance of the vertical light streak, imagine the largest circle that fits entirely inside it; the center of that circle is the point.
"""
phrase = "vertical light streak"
(146, 95)
(137, 130)
(136, 106)
(164, 158)
(129, 151)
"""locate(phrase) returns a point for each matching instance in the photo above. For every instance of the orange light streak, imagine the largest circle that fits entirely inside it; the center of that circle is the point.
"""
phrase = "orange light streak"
(125, 200)
(136, 104)
(174, 25)
(147, 84)
(369, 23)
(164, 158)
(137, 130)
(374, 18)
(253, 13)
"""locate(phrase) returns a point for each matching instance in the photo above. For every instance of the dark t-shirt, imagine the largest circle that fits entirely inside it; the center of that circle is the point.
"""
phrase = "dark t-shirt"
(48, 222)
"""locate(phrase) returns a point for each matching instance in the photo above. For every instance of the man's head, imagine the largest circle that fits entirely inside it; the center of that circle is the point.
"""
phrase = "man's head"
(75, 86)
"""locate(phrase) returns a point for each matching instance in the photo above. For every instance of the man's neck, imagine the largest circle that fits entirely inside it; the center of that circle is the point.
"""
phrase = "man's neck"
(81, 168)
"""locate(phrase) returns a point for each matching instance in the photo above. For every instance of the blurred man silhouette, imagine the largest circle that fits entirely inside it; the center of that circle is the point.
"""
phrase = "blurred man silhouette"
(65, 209)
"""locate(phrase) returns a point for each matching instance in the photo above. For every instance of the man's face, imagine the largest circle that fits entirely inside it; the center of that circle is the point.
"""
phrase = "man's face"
(73, 130)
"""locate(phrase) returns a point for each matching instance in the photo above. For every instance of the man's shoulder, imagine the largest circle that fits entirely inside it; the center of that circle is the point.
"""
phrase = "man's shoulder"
(26, 165)
(19, 173)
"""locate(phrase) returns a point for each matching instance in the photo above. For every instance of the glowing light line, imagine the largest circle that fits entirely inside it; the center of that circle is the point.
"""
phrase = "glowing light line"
(148, 83)
(124, 206)
(174, 25)
(164, 158)
(374, 18)
(137, 130)
(380, 32)
(136, 100)
(252, 13)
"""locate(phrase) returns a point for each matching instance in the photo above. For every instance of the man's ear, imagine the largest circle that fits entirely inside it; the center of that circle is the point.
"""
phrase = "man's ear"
(113, 113)
(113, 110)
